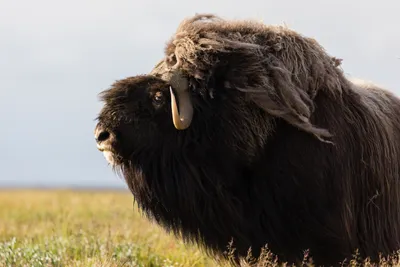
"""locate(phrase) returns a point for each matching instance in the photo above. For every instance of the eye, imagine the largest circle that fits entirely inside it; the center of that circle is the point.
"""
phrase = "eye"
(158, 98)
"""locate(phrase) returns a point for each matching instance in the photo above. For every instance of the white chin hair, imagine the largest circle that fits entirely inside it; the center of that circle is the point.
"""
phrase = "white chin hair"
(109, 157)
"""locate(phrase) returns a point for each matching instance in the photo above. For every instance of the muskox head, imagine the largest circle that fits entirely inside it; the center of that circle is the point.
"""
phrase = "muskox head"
(138, 111)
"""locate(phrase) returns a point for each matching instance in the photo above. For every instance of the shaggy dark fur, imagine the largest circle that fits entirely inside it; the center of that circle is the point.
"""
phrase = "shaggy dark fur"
(282, 150)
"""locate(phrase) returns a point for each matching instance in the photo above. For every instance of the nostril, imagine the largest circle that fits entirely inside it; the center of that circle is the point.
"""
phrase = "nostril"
(104, 135)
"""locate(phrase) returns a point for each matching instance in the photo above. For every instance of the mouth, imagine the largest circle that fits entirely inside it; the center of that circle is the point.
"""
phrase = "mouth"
(108, 154)
(103, 148)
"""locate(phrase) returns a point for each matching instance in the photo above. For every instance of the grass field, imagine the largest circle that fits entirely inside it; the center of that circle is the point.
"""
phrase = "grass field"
(83, 228)
(91, 228)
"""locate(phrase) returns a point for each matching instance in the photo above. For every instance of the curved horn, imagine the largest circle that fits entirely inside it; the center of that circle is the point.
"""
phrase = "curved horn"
(182, 116)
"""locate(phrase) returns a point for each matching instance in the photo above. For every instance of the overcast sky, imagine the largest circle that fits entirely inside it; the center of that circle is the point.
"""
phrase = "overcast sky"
(56, 56)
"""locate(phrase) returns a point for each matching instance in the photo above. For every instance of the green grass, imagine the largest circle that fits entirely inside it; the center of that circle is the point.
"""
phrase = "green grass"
(94, 228)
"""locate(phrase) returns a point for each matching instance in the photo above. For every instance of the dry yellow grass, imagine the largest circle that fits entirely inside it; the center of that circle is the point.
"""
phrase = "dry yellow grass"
(83, 228)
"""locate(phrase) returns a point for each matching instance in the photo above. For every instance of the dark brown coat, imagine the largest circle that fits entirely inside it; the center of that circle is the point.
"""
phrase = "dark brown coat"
(282, 148)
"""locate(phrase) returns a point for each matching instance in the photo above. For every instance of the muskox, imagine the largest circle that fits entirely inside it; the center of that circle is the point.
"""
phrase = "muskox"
(252, 134)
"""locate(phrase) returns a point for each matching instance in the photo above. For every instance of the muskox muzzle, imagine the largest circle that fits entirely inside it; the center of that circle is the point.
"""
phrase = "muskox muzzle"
(103, 137)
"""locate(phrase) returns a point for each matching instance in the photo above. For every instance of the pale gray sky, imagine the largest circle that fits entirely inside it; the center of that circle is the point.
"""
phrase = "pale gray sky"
(56, 56)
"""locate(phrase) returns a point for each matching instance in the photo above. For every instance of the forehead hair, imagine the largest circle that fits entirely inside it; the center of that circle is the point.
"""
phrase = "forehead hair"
(124, 89)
